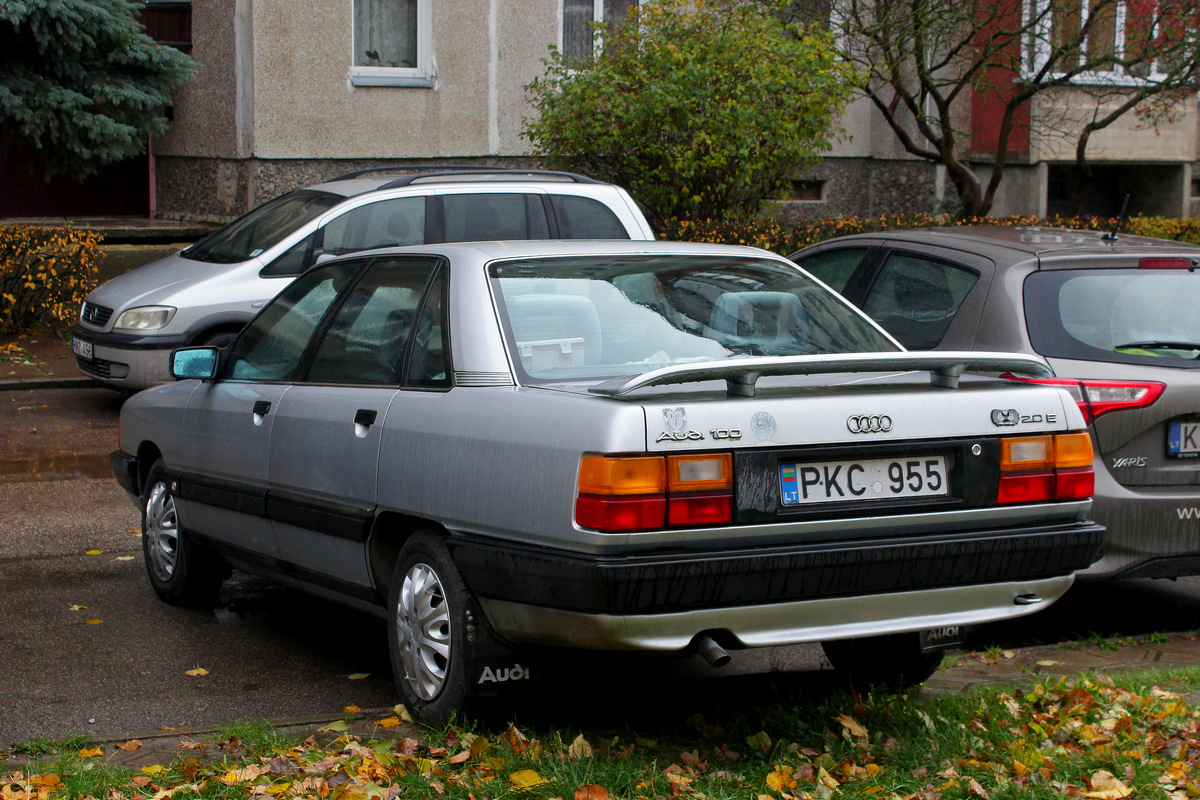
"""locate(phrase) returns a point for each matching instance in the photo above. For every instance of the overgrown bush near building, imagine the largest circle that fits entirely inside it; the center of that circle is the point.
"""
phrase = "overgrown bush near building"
(45, 273)
(770, 234)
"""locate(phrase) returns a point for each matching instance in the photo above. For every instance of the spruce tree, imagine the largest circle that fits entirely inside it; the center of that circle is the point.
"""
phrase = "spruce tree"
(82, 82)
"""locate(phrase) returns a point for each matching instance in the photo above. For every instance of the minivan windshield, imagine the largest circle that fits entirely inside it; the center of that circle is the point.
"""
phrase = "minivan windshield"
(262, 228)
(586, 317)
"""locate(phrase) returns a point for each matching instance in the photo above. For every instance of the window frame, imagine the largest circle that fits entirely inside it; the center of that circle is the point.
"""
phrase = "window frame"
(596, 17)
(418, 77)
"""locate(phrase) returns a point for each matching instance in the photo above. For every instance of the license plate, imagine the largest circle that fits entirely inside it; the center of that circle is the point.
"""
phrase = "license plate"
(1183, 439)
(81, 348)
(813, 482)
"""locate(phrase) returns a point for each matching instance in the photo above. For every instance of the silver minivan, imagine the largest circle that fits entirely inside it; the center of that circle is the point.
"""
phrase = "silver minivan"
(206, 293)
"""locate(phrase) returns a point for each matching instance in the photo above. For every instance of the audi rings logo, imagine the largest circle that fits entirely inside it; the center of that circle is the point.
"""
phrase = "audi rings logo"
(869, 424)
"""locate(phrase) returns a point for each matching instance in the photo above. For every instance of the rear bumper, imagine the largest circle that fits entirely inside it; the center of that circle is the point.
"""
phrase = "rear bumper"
(779, 623)
(772, 595)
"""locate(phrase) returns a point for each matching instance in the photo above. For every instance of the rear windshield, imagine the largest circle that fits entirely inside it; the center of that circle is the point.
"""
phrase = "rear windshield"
(1135, 316)
(251, 234)
(594, 317)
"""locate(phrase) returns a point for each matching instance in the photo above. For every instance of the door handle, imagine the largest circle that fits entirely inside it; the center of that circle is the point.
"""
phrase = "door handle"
(262, 407)
(363, 420)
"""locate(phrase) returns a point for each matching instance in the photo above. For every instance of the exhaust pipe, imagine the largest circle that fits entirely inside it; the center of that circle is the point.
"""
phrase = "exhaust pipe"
(713, 653)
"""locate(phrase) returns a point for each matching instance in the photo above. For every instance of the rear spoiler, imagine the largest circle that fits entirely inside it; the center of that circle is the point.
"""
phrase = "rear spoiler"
(741, 374)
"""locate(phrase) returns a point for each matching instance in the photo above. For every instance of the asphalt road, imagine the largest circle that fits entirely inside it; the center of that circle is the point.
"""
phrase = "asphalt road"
(88, 648)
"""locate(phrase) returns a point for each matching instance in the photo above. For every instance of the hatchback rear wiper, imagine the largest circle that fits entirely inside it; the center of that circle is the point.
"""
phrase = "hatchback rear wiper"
(1158, 344)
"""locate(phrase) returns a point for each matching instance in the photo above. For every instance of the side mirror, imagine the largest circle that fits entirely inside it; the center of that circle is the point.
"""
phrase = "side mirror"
(195, 362)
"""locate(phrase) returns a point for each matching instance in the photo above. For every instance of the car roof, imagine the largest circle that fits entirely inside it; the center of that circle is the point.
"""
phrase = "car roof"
(364, 181)
(540, 248)
(1034, 241)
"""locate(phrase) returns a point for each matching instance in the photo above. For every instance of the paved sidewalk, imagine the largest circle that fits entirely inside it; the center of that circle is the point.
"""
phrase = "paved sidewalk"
(39, 361)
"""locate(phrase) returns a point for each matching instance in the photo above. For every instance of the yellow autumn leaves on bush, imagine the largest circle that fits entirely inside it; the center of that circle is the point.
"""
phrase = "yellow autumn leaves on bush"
(45, 273)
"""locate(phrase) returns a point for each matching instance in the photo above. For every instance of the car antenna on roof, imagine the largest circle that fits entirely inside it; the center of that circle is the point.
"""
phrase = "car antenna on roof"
(1122, 221)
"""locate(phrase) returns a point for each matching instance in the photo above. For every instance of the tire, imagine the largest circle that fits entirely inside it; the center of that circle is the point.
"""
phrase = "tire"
(427, 604)
(894, 662)
(182, 572)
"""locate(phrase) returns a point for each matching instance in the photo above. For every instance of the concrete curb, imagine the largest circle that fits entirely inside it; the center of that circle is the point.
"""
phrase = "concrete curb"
(49, 383)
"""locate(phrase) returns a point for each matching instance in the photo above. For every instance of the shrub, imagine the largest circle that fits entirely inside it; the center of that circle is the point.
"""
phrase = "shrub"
(770, 234)
(44, 275)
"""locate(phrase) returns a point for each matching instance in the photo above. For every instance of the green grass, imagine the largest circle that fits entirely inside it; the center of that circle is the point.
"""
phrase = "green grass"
(1050, 739)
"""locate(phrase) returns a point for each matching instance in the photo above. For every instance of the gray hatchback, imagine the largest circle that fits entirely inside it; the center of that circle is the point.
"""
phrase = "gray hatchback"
(1118, 319)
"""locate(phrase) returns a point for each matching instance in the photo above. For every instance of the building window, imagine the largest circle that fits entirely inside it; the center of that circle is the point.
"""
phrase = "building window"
(577, 19)
(1099, 35)
(392, 43)
(169, 22)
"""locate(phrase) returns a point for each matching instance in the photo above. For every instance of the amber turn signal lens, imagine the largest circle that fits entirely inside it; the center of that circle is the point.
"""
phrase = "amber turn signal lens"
(1073, 450)
(608, 475)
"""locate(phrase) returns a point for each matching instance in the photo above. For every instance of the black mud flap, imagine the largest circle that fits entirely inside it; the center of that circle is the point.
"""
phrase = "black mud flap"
(494, 667)
(937, 639)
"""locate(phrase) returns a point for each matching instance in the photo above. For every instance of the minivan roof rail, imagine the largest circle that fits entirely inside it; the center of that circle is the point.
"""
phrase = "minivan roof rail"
(409, 175)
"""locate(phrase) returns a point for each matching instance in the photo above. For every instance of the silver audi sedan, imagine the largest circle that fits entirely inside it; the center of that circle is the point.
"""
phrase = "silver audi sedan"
(675, 448)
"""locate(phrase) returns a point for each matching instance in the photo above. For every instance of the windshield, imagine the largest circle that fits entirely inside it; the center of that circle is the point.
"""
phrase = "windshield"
(262, 228)
(1135, 316)
(595, 317)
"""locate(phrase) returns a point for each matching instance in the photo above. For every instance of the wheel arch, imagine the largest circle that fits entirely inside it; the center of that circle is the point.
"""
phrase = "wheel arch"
(389, 532)
(147, 454)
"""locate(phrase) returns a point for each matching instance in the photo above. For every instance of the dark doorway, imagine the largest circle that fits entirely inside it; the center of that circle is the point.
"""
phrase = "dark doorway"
(1153, 189)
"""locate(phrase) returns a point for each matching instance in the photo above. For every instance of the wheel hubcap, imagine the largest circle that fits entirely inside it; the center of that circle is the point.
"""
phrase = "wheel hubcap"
(162, 532)
(423, 629)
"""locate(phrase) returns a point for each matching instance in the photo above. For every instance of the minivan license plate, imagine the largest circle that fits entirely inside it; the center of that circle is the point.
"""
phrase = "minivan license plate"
(81, 348)
(813, 482)
(1183, 439)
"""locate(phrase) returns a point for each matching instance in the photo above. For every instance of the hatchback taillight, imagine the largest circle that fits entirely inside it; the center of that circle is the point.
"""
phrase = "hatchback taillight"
(640, 493)
(1035, 469)
(1097, 397)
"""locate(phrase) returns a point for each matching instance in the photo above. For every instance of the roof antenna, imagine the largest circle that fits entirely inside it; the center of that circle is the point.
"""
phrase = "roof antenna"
(1122, 221)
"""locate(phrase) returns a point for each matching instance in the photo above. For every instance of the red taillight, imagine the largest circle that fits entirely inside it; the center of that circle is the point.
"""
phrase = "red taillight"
(1165, 263)
(640, 493)
(1042, 468)
(1097, 397)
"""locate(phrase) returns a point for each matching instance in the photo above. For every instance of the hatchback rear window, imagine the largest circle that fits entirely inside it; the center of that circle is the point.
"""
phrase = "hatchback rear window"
(589, 317)
(1136, 316)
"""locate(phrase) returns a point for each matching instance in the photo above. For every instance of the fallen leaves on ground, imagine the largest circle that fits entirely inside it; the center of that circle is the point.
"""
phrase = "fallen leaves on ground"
(1070, 738)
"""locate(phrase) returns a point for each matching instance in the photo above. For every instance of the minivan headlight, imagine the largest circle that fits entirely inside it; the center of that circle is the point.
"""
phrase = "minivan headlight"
(146, 318)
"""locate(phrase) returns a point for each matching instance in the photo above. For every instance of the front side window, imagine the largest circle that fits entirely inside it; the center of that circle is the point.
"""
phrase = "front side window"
(250, 235)
(578, 23)
(834, 267)
(1132, 316)
(392, 43)
(271, 346)
(591, 317)
(367, 338)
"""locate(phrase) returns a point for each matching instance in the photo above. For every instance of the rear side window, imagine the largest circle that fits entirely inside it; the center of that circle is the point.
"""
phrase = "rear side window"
(1135, 316)
(585, 218)
(915, 298)
(486, 217)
